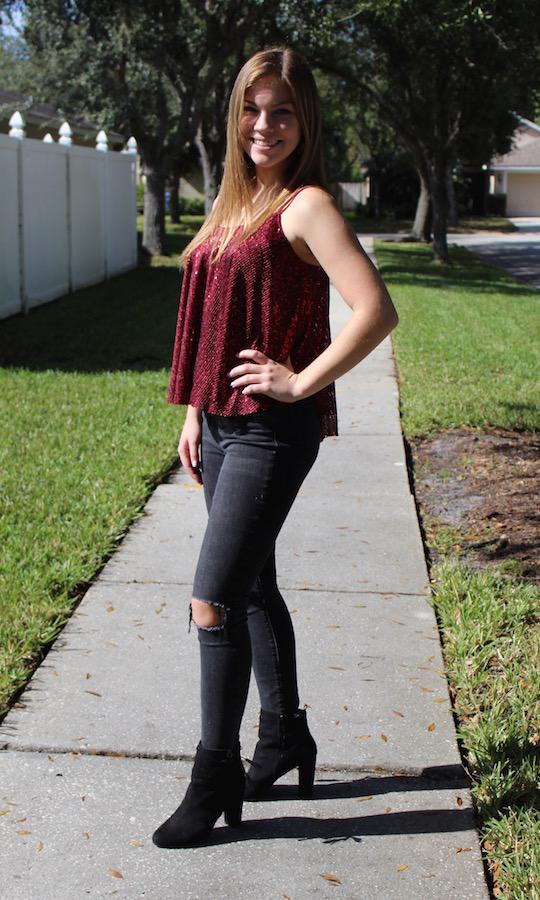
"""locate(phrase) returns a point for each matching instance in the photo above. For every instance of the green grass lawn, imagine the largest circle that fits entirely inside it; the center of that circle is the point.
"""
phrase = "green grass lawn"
(467, 342)
(490, 627)
(466, 349)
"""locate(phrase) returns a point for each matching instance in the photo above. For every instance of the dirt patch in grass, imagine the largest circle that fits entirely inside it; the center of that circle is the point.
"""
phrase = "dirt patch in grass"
(478, 495)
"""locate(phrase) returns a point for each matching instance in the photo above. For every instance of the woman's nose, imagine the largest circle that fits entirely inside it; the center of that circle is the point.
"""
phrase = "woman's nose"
(262, 122)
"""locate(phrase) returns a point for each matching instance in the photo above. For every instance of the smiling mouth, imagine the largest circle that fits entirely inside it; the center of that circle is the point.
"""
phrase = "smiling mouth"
(267, 145)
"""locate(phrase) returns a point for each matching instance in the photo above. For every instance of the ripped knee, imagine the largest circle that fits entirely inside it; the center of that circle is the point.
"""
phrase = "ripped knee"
(207, 615)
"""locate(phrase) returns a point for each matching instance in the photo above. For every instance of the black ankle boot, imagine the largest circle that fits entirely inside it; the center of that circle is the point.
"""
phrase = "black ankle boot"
(217, 786)
(284, 743)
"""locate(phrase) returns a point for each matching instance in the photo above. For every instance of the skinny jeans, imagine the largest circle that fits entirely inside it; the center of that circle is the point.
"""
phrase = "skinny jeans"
(252, 468)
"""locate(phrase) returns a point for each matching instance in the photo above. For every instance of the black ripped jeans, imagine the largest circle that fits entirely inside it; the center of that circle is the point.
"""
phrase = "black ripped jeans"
(252, 468)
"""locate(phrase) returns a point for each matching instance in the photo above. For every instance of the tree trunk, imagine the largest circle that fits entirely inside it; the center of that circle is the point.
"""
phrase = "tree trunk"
(453, 215)
(439, 201)
(422, 209)
(174, 186)
(375, 196)
(428, 224)
(154, 209)
(209, 177)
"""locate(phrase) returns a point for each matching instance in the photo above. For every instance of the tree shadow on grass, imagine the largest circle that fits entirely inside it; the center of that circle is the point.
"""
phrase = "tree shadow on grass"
(412, 264)
(125, 323)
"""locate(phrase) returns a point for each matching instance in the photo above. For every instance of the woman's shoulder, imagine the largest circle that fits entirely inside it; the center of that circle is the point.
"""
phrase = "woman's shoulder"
(311, 204)
(311, 198)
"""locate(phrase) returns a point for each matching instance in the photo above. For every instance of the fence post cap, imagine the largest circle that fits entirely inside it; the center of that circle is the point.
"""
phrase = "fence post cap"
(17, 125)
(102, 141)
(17, 120)
(48, 139)
(65, 133)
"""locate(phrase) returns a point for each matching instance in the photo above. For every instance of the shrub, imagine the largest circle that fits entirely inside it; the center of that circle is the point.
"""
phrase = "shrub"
(191, 206)
(496, 204)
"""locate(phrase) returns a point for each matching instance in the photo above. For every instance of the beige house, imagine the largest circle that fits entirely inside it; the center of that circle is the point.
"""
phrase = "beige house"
(517, 173)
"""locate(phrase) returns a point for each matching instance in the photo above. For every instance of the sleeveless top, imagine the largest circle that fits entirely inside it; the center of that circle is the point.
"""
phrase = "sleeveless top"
(259, 295)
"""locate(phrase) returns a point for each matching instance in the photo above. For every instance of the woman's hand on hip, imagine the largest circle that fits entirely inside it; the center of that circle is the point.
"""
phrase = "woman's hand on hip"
(261, 375)
(189, 445)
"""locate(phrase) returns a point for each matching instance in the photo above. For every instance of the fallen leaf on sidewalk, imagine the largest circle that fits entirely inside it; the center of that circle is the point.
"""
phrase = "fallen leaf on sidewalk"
(398, 713)
(402, 868)
(115, 873)
(95, 693)
(431, 726)
(331, 878)
(384, 738)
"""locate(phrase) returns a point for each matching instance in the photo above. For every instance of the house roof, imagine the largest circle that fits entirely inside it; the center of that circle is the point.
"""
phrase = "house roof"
(45, 117)
(526, 156)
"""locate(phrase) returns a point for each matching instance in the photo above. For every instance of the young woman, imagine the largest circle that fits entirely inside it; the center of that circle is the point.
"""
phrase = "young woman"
(254, 363)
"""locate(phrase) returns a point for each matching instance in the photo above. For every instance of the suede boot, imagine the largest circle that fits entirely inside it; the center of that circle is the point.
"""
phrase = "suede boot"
(217, 786)
(284, 742)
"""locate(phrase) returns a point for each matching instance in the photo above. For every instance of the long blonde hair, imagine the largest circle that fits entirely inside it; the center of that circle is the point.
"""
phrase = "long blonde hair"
(306, 166)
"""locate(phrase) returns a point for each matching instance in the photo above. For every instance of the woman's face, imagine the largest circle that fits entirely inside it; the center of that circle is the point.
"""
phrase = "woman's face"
(269, 126)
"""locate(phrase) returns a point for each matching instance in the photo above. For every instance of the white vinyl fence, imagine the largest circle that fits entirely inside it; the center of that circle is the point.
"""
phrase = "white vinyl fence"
(350, 193)
(67, 218)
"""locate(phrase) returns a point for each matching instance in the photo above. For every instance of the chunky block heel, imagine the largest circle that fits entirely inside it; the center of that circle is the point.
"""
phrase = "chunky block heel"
(233, 813)
(306, 776)
(285, 742)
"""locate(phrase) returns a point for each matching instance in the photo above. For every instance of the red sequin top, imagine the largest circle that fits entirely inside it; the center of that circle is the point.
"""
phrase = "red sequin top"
(259, 295)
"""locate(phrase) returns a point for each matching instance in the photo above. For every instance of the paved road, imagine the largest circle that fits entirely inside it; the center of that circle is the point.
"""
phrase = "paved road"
(98, 750)
(518, 253)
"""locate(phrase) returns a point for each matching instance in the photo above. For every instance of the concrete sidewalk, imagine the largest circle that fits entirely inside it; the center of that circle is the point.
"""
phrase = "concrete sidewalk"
(98, 751)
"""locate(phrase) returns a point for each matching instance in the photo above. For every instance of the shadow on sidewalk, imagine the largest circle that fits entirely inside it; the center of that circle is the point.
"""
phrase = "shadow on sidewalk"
(333, 830)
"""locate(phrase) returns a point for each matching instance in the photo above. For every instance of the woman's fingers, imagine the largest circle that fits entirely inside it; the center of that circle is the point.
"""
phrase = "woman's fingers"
(262, 375)
(256, 355)
(242, 374)
(188, 451)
